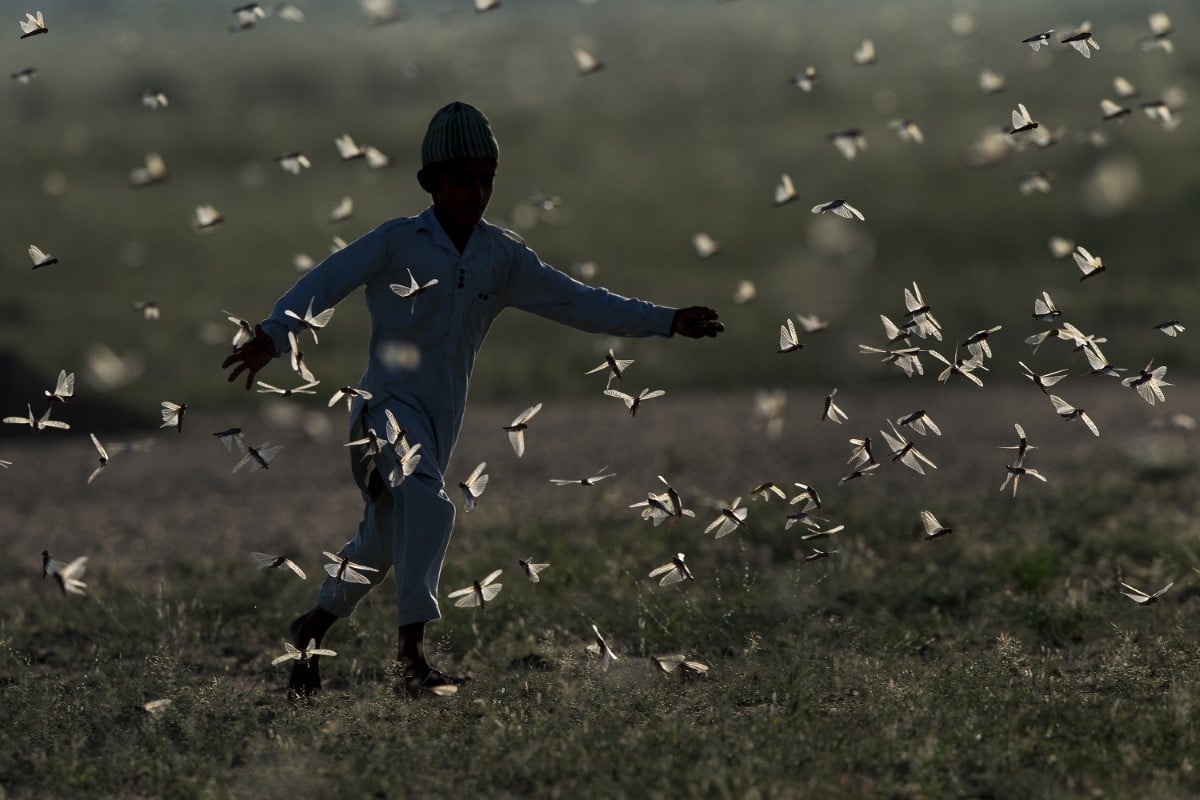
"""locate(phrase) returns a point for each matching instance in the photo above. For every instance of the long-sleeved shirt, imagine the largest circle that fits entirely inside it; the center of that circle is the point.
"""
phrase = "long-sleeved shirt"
(443, 327)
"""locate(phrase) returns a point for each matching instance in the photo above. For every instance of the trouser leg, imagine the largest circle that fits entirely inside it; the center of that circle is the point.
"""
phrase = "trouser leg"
(423, 519)
(372, 547)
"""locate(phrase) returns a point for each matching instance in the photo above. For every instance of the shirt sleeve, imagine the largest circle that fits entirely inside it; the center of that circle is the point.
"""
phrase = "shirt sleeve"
(326, 284)
(539, 288)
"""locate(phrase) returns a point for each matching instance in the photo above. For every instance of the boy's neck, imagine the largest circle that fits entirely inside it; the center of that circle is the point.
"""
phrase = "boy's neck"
(459, 235)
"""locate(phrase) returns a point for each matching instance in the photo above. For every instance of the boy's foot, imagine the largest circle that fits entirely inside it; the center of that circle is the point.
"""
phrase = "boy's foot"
(306, 675)
(425, 679)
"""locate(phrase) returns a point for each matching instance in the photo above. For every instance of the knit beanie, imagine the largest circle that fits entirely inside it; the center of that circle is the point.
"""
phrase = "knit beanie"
(457, 132)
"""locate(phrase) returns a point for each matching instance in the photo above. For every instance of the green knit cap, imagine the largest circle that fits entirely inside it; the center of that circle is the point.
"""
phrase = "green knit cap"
(457, 132)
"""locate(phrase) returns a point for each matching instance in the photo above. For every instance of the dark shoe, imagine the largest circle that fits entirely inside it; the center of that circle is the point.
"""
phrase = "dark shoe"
(429, 681)
(306, 675)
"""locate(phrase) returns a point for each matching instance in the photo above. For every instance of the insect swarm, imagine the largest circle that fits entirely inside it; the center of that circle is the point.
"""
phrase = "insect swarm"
(1043, 568)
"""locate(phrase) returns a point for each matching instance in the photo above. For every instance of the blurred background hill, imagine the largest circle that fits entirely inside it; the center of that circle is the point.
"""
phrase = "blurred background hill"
(686, 129)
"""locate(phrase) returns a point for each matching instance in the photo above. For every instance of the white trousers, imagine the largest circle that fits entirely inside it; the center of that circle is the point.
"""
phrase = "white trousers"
(406, 529)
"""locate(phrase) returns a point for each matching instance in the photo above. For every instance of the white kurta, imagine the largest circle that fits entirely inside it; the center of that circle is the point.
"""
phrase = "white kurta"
(441, 330)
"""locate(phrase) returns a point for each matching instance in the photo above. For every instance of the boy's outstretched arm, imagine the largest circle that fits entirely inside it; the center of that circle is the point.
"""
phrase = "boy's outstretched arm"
(251, 356)
(695, 322)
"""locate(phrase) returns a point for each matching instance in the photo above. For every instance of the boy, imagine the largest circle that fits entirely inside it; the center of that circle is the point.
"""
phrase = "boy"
(479, 269)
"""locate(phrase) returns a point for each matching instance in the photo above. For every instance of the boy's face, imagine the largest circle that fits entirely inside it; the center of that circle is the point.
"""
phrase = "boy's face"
(462, 190)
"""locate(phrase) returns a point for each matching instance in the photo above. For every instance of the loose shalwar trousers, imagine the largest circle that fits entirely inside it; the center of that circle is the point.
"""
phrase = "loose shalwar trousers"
(405, 528)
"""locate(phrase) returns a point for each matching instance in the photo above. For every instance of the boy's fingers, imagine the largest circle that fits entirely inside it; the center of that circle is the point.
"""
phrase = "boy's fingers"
(247, 356)
(698, 321)
(704, 322)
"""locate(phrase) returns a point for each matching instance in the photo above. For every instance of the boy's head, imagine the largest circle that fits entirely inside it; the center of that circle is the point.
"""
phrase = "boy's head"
(459, 156)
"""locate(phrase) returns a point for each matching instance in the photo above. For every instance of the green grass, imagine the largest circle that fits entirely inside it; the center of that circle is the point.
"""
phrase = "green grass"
(998, 661)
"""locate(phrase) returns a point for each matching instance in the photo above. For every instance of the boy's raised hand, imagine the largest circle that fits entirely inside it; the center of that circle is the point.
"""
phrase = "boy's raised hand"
(251, 356)
(696, 322)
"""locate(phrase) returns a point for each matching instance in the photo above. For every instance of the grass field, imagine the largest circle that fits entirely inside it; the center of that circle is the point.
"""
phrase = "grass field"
(998, 661)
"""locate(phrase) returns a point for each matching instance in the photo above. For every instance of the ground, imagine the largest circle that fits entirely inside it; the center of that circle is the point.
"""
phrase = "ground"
(999, 660)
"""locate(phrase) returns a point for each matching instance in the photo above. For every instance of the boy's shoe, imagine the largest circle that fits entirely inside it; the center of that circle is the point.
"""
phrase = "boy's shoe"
(306, 675)
(430, 682)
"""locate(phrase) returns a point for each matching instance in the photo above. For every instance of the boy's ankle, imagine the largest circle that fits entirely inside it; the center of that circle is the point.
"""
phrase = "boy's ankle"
(311, 626)
(417, 668)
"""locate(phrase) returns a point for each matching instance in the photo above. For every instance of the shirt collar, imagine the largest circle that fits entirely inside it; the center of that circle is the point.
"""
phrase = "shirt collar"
(427, 221)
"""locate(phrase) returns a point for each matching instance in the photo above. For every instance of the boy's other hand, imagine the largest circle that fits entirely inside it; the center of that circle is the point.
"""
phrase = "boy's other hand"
(696, 322)
(251, 356)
